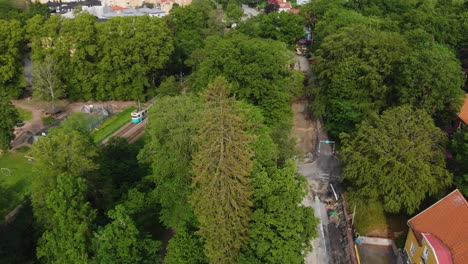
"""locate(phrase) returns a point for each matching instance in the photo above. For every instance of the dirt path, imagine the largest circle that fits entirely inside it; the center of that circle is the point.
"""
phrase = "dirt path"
(305, 129)
(35, 124)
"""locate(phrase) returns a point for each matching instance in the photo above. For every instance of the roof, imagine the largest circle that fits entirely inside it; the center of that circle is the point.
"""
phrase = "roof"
(442, 252)
(118, 8)
(446, 220)
(294, 11)
(464, 111)
(279, 3)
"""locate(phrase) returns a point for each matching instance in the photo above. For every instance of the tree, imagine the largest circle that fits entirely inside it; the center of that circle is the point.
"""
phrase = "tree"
(121, 242)
(9, 116)
(46, 83)
(169, 151)
(67, 239)
(221, 166)
(430, 78)
(459, 166)
(11, 65)
(185, 248)
(133, 50)
(190, 25)
(283, 26)
(392, 155)
(259, 73)
(63, 150)
(281, 228)
(355, 68)
(169, 87)
(233, 12)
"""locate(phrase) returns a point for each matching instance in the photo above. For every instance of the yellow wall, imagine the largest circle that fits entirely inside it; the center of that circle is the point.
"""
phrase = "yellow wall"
(418, 250)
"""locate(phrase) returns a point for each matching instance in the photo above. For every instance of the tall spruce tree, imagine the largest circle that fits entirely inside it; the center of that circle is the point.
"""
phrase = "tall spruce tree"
(221, 166)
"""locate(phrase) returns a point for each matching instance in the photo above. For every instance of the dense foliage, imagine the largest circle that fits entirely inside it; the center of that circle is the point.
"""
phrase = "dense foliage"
(259, 74)
(9, 116)
(119, 59)
(392, 155)
(11, 67)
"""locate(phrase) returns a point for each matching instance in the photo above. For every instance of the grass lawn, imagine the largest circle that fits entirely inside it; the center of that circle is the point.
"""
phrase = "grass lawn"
(112, 124)
(15, 187)
(47, 120)
(371, 220)
(24, 115)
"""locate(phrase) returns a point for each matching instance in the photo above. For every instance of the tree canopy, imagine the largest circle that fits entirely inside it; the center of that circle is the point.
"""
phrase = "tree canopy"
(221, 166)
(67, 238)
(392, 155)
(9, 116)
(11, 52)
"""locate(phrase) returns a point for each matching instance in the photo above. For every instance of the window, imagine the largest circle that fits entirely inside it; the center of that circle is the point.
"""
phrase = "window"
(425, 253)
(412, 249)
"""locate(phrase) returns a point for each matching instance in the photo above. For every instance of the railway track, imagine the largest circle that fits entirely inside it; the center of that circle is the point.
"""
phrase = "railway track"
(121, 132)
(136, 135)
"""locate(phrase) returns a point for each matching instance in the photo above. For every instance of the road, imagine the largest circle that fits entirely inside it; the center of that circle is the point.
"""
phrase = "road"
(320, 167)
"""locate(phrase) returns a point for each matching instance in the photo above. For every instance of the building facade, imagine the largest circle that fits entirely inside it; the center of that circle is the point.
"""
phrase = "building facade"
(439, 234)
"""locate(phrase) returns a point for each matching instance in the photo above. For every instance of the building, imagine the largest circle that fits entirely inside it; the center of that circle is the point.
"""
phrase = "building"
(279, 5)
(463, 115)
(439, 234)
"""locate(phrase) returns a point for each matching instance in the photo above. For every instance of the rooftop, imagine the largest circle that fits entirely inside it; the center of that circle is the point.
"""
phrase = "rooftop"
(464, 111)
(447, 221)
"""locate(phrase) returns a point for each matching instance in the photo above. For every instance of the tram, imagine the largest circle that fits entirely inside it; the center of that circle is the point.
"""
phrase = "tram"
(139, 115)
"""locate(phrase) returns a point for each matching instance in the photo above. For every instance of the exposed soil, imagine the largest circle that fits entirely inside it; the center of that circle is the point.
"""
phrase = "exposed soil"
(304, 127)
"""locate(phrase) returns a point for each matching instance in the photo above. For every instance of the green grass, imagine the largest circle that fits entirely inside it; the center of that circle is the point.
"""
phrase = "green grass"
(17, 186)
(24, 115)
(47, 120)
(112, 124)
(372, 220)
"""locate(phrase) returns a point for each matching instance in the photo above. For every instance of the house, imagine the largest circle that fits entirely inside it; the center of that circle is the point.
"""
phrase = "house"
(463, 115)
(439, 234)
(279, 5)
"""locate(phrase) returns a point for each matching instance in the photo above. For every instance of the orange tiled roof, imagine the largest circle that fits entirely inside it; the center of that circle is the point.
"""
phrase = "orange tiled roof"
(118, 8)
(448, 221)
(464, 111)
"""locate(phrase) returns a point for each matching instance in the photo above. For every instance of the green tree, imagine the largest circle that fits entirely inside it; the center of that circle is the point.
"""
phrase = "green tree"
(281, 228)
(169, 87)
(392, 155)
(81, 53)
(283, 26)
(430, 78)
(233, 12)
(63, 150)
(190, 25)
(185, 248)
(259, 73)
(221, 166)
(133, 50)
(11, 65)
(355, 67)
(459, 166)
(169, 151)
(121, 242)
(68, 237)
(46, 83)
(9, 116)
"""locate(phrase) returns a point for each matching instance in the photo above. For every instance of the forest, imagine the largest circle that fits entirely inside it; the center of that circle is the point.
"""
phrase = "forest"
(215, 171)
